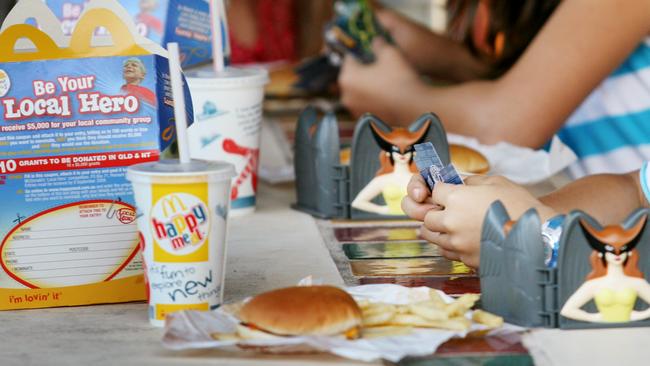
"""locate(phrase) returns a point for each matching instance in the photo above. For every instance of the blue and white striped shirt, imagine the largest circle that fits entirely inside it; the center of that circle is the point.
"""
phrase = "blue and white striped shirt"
(610, 131)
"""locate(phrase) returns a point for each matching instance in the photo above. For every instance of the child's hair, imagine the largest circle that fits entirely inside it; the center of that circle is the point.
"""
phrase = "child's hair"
(504, 28)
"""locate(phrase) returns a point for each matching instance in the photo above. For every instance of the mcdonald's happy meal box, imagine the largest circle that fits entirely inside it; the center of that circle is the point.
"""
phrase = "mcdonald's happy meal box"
(74, 113)
(162, 21)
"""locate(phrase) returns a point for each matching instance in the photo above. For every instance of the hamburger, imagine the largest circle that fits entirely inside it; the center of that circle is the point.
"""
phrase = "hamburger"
(299, 311)
(468, 160)
(282, 83)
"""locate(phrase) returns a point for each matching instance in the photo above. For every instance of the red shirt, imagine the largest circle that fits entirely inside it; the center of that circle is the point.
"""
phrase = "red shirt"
(140, 92)
(151, 22)
(277, 37)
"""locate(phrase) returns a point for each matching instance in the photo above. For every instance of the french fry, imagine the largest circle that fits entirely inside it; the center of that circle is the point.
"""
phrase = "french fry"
(461, 305)
(384, 320)
(486, 318)
(378, 318)
(428, 311)
(410, 320)
(403, 309)
(458, 323)
(378, 308)
(435, 298)
(385, 331)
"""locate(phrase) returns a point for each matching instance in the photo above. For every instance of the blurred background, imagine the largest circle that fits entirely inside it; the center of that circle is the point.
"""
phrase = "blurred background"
(294, 27)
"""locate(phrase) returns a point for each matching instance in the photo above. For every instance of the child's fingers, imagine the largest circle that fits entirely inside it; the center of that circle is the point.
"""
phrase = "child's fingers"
(349, 66)
(476, 180)
(443, 240)
(451, 255)
(434, 221)
(417, 189)
(379, 45)
(416, 210)
(388, 19)
(442, 192)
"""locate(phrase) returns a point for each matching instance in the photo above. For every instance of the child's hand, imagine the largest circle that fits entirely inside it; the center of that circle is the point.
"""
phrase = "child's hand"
(456, 228)
(418, 200)
(432, 54)
(406, 33)
(383, 87)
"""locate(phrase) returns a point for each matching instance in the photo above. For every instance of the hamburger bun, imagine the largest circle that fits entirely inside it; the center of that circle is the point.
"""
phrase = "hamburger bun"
(291, 311)
(468, 160)
(281, 84)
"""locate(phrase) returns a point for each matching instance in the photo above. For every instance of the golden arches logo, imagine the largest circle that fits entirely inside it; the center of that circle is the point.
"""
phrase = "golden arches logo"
(172, 203)
(180, 223)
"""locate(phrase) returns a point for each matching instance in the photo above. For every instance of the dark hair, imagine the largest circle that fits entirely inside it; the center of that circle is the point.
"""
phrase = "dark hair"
(516, 22)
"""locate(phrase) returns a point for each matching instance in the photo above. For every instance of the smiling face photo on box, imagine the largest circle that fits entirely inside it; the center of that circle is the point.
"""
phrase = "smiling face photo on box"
(134, 72)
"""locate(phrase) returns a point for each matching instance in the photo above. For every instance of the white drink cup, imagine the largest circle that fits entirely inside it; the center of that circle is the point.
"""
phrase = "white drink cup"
(182, 219)
(227, 123)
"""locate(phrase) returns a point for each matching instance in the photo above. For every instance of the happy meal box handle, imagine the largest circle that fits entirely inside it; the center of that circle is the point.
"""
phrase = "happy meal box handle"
(123, 41)
(80, 44)
(37, 10)
(45, 46)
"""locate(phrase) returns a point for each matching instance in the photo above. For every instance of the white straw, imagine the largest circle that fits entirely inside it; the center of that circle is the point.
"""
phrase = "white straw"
(216, 7)
(227, 51)
(180, 113)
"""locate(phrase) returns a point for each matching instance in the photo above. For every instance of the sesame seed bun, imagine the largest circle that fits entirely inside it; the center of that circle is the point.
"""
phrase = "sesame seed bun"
(468, 160)
(312, 310)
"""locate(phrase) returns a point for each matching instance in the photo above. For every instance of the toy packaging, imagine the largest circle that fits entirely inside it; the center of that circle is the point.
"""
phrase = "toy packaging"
(350, 32)
(73, 117)
(353, 29)
(431, 167)
(184, 21)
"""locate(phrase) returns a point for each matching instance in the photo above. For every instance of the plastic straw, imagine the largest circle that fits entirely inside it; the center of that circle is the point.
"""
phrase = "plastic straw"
(216, 7)
(180, 112)
(225, 37)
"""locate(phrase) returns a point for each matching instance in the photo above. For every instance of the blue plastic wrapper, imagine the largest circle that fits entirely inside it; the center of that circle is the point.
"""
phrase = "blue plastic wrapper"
(431, 167)
(551, 233)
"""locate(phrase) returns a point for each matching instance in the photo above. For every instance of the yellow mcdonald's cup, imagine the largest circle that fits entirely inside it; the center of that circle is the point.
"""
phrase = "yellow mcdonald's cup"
(182, 219)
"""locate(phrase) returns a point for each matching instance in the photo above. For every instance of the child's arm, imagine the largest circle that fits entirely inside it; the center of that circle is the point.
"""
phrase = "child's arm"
(583, 41)
(435, 55)
(457, 227)
(609, 198)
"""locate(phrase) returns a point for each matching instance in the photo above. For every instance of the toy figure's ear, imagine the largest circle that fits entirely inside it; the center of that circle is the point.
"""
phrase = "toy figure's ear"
(635, 232)
(421, 134)
(593, 236)
(381, 137)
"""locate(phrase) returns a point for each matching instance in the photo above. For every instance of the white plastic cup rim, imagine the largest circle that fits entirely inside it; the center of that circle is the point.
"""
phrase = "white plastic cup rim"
(174, 172)
(230, 78)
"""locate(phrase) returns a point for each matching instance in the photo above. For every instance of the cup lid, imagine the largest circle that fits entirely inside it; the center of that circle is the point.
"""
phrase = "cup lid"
(212, 170)
(230, 77)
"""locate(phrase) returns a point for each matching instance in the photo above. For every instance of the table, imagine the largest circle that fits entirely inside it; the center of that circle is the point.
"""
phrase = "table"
(274, 247)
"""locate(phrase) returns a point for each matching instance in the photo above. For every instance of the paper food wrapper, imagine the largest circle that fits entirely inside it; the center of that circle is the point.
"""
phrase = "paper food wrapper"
(192, 329)
(522, 165)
